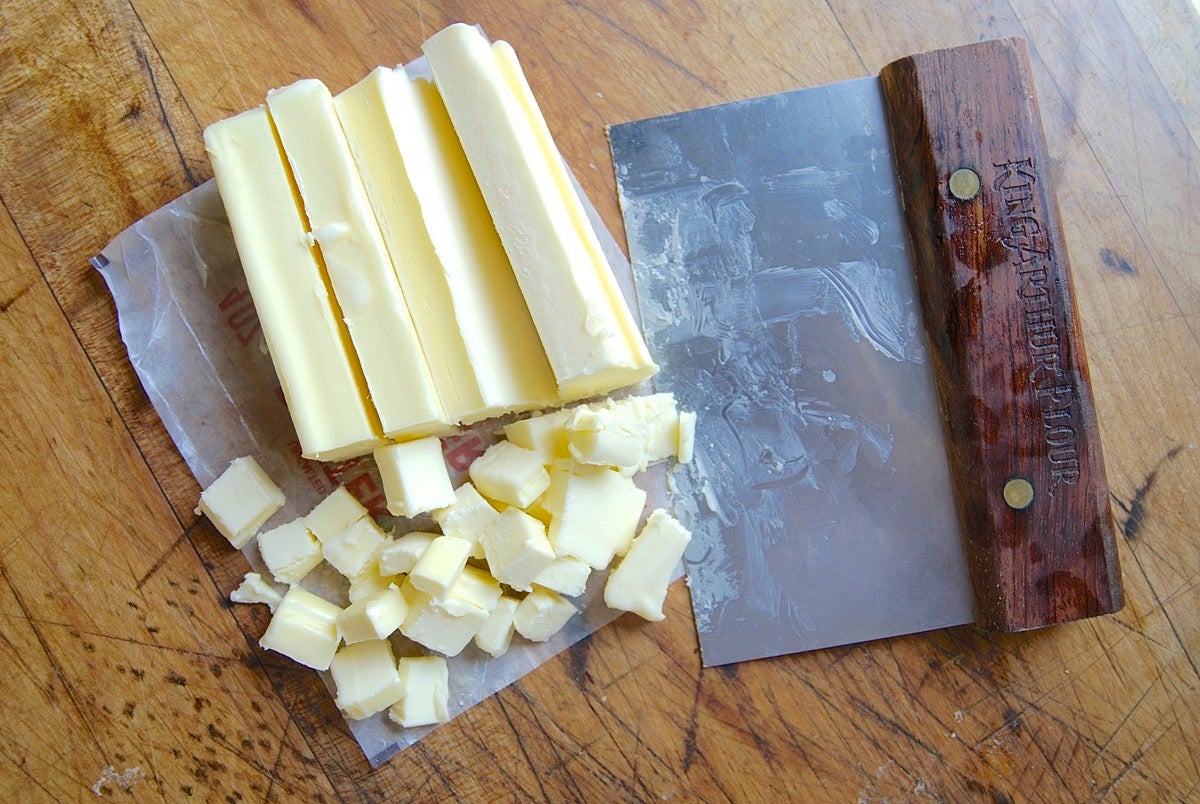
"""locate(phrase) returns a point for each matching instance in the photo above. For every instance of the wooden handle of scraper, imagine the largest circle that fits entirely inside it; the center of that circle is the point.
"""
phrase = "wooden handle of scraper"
(1007, 349)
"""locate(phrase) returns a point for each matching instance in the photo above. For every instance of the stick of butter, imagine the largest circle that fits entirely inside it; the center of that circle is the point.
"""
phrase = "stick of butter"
(320, 375)
(360, 270)
(586, 329)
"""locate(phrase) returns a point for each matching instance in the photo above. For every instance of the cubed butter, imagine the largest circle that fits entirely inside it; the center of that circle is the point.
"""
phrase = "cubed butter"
(510, 474)
(545, 434)
(594, 514)
(587, 331)
(366, 677)
(350, 550)
(426, 684)
(687, 436)
(431, 625)
(253, 589)
(542, 614)
(639, 582)
(474, 589)
(370, 581)
(415, 479)
(290, 551)
(359, 268)
(376, 616)
(440, 565)
(567, 576)
(240, 501)
(629, 434)
(399, 555)
(467, 517)
(318, 371)
(516, 548)
(332, 515)
(303, 628)
(496, 634)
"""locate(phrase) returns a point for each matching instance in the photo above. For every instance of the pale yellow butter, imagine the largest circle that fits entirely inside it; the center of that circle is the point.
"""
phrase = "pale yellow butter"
(360, 270)
(415, 479)
(303, 628)
(542, 614)
(240, 501)
(639, 582)
(426, 692)
(350, 551)
(584, 323)
(496, 634)
(467, 517)
(545, 434)
(320, 375)
(516, 548)
(366, 677)
(594, 513)
(253, 589)
(338, 511)
(440, 565)
(509, 474)
(375, 616)
(290, 551)
(400, 555)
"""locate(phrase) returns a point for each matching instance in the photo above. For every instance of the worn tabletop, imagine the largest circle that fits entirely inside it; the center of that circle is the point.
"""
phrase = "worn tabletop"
(127, 673)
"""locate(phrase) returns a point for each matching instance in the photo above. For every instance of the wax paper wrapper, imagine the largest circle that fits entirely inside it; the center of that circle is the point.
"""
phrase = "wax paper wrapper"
(189, 325)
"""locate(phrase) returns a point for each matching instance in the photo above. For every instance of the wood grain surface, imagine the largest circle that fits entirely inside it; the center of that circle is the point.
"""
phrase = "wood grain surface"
(124, 662)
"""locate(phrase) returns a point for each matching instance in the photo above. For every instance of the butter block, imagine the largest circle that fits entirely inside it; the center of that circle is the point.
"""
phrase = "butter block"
(303, 628)
(542, 614)
(400, 555)
(545, 434)
(338, 511)
(567, 576)
(370, 580)
(350, 550)
(594, 514)
(516, 548)
(509, 474)
(474, 589)
(431, 625)
(639, 582)
(364, 283)
(687, 436)
(415, 478)
(290, 551)
(376, 616)
(253, 589)
(586, 329)
(240, 501)
(467, 517)
(476, 332)
(426, 684)
(366, 677)
(319, 372)
(496, 634)
(440, 565)
(629, 434)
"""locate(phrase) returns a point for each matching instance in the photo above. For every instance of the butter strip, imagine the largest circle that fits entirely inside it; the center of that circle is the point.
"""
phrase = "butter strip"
(585, 326)
(476, 331)
(321, 379)
(343, 224)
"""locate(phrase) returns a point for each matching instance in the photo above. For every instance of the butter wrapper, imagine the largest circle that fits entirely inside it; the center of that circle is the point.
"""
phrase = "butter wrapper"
(190, 328)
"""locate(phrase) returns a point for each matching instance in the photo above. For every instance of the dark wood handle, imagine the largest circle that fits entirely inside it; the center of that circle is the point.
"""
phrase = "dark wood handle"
(1007, 349)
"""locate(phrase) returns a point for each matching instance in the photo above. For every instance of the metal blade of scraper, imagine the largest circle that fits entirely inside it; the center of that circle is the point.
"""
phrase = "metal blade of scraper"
(776, 289)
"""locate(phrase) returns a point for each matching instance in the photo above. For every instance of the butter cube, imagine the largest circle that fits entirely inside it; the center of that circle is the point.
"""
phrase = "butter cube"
(496, 634)
(426, 684)
(240, 501)
(545, 434)
(431, 625)
(351, 549)
(289, 551)
(376, 616)
(542, 614)
(332, 515)
(370, 581)
(510, 474)
(467, 517)
(366, 678)
(397, 556)
(639, 582)
(567, 576)
(687, 436)
(414, 475)
(303, 628)
(440, 565)
(594, 514)
(629, 434)
(474, 589)
(516, 548)
(253, 589)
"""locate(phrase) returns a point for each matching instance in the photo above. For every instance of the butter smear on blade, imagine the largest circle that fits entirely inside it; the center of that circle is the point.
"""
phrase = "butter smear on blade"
(586, 329)
(317, 368)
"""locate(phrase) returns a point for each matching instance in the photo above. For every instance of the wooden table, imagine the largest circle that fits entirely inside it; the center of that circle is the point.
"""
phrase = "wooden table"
(122, 654)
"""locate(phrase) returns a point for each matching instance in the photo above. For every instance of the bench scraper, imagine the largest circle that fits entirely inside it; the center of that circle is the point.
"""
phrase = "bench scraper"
(862, 289)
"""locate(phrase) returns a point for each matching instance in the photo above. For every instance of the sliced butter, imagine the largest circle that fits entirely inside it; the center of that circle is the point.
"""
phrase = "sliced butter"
(360, 270)
(639, 583)
(320, 375)
(477, 334)
(586, 329)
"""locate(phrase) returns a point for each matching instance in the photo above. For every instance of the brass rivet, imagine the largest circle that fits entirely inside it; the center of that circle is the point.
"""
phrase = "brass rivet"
(964, 184)
(1018, 493)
